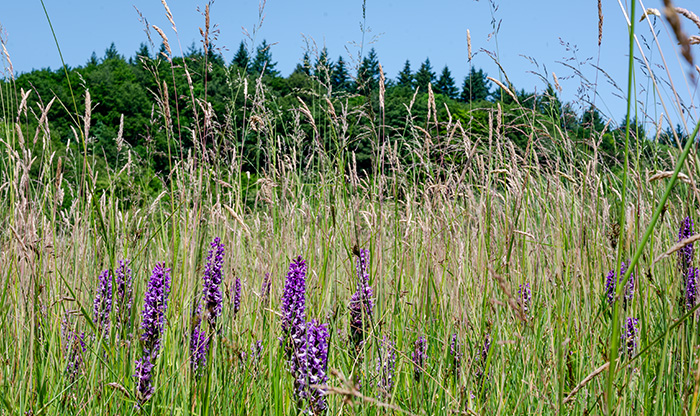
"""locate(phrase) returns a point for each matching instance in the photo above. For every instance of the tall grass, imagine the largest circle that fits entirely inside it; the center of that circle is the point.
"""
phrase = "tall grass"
(453, 239)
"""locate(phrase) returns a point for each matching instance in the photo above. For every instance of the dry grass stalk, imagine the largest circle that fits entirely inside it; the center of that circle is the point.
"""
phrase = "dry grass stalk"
(689, 15)
(469, 45)
(556, 82)
(600, 22)
(672, 16)
(650, 12)
(503, 87)
(44, 119)
(22, 109)
(694, 40)
(382, 88)
(120, 134)
(663, 175)
(9, 61)
(88, 115)
(170, 15)
(679, 245)
(165, 42)
(205, 32)
(585, 381)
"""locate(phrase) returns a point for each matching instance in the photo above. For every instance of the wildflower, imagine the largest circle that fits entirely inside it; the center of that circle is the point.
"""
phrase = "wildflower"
(74, 349)
(419, 356)
(685, 254)
(256, 350)
(386, 366)
(611, 281)
(294, 308)
(144, 384)
(361, 305)
(103, 302)
(155, 306)
(198, 342)
(456, 354)
(629, 338)
(124, 293)
(265, 290)
(316, 365)
(212, 281)
(153, 325)
(691, 290)
(525, 296)
(236, 296)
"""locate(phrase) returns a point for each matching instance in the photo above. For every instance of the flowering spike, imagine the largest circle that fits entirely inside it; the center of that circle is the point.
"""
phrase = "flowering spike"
(611, 281)
(361, 304)
(317, 365)
(212, 281)
(386, 366)
(236, 296)
(629, 338)
(525, 296)
(685, 254)
(419, 356)
(691, 290)
(103, 302)
(294, 307)
(125, 293)
(198, 343)
(456, 354)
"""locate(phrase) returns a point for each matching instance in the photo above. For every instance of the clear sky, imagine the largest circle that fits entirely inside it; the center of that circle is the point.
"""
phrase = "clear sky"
(398, 30)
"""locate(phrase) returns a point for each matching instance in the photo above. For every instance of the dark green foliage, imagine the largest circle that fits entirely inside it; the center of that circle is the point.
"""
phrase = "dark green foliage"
(263, 61)
(323, 67)
(340, 78)
(445, 85)
(241, 58)
(405, 78)
(475, 87)
(368, 74)
(424, 75)
(304, 67)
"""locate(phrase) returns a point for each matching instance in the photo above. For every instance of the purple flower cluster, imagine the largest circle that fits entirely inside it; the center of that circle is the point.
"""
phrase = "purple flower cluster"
(386, 366)
(265, 290)
(199, 344)
(525, 296)
(124, 294)
(305, 343)
(316, 365)
(629, 338)
(153, 325)
(103, 302)
(419, 356)
(685, 254)
(361, 304)
(74, 349)
(611, 281)
(236, 296)
(294, 307)
(212, 281)
(455, 354)
(691, 288)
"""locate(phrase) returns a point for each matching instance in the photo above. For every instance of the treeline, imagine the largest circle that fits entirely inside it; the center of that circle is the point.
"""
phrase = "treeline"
(127, 102)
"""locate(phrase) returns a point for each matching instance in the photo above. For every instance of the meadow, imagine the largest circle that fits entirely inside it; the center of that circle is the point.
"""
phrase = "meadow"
(458, 272)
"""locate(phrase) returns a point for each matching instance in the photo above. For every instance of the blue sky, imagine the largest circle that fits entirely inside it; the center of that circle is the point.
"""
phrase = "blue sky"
(398, 30)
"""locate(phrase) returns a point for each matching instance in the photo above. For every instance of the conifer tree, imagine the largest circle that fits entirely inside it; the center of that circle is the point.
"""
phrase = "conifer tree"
(475, 87)
(405, 78)
(263, 61)
(446, 84)
(241, 58)
(424, 75)
(340, 79)
(368, 74)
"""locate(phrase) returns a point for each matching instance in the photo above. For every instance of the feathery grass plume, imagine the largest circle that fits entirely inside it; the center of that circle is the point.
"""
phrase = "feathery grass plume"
(419, 356)
(629, 337)
(102, 305)
(212, 282)
(153, 325)
(361, 304)
(124, 297)
(611, 281)
(685, 254)
(316, 365)
(455, 355)
(386, 366)
(236, 296)
(691, 288)
(198, 342)
(265, 290)
(525, 296)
